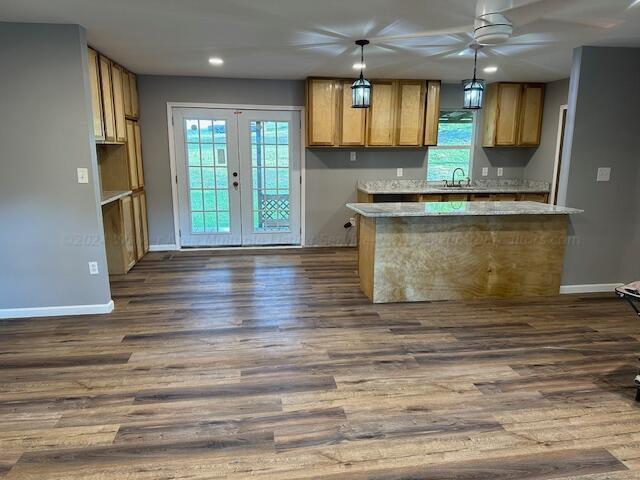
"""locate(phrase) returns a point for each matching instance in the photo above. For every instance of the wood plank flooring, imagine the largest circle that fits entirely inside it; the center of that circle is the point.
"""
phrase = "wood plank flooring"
(273, 365)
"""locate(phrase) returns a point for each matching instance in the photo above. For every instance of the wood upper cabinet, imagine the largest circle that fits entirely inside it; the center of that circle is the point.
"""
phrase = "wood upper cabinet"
(96, 102)
(126, 87)
(352, 123)
(531, 115)
(106, 89)
(322, 109)
(138, 142)
(512, 115)
(432, 115)
(381, 114)
(410, 105)
(132, 159)
(133, 90)
(118, 102)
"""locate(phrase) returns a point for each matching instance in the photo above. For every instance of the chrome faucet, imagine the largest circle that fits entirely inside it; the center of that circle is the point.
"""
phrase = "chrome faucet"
(453, 179)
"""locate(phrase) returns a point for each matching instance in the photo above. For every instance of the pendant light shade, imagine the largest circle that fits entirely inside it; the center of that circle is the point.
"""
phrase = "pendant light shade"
(474, 88)
(361, 88)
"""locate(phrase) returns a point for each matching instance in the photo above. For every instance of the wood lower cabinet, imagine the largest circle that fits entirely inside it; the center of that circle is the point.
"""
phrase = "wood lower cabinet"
(96, 96)
(512, 115)
(106, 89)
(453, 197)
(140, 224)
(119, 234)
(145, 225)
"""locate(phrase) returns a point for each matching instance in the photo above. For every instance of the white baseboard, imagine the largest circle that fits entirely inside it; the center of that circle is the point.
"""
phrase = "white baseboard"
(56, 311)
(589, 288)
(163, 248)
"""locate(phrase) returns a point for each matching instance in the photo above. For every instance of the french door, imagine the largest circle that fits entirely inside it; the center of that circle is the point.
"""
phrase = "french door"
(238, 176)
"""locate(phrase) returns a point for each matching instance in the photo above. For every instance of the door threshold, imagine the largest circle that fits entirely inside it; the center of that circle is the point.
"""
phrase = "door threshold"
(248, 247)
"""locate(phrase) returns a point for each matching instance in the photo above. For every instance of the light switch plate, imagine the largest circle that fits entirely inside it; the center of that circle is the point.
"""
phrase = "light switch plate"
(352, 156)
(604, 174)
(93, 268)
(83, 175)
(500, 171)
(399, 172)
(485, 171)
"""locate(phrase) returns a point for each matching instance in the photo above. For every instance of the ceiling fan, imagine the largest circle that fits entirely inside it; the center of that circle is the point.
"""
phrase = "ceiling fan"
(495, 21)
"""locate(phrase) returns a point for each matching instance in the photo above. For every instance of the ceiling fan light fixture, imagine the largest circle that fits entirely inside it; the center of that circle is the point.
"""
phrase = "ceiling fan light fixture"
(361, 88)
(492, 29)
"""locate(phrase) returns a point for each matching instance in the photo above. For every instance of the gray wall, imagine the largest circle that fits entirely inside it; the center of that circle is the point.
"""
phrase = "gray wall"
(330, 176)
(602, 132)
(540, 167)
(155, 92)
(51, 225)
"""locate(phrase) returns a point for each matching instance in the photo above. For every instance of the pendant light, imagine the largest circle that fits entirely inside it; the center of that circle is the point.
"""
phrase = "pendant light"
(474, 88)
(361, 88)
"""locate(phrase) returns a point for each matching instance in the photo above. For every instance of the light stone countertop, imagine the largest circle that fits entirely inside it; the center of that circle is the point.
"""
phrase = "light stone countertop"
(449, 209)
(478, 186)
(112, 196)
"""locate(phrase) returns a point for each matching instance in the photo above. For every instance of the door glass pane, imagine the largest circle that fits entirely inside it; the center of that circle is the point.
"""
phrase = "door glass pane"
(208, 176)
(270, 176)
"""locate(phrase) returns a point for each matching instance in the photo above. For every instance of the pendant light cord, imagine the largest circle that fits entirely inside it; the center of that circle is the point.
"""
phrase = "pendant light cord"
(361, 60)
(475, 64)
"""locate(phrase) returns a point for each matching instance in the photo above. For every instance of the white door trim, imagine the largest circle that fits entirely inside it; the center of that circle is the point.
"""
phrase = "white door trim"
(556, 164)
(172, 157)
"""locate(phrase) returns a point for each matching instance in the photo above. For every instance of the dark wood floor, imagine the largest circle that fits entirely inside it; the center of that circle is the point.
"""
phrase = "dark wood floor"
(276, 366)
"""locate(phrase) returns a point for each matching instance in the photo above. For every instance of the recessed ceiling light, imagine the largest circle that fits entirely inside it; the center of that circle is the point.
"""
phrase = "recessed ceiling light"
(359, 66)
(216, 61)
(492, 69)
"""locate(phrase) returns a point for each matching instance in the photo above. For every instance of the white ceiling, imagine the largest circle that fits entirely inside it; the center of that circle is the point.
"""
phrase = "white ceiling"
(300, 38)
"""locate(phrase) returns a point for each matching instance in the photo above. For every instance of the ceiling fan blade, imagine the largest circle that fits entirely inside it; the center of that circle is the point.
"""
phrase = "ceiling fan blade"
(530, 12)
(427, 33)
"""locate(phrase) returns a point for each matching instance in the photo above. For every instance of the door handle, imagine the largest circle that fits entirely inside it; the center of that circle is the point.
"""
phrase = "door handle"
(235, 184)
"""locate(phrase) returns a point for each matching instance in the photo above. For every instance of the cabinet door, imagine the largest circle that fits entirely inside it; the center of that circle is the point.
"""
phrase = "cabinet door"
(432, 116)
(133, 87)
(136, 129)
(126, 88)
(118, 102)
(128, 232)
(321, 111)
(509, 96)
(96, 102)
(137, 223)
(107, 100)
(352, 120)
(132, 161)
(143, 219)
(381, 114)
(531, 115)
(410, 112)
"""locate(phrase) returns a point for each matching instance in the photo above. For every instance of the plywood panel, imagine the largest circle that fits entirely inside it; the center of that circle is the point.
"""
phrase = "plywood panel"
(451, 258)
(321, 111)
(531, 115)
(118, 102)
(132, 162)
(352, 120)
(509, 96)
(96, 100)
(381, 114)
(107, 99)
(410, 112)
(366, 254)
(432, 115)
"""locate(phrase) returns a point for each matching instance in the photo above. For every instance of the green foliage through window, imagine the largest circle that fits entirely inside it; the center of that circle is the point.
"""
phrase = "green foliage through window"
(455, 139)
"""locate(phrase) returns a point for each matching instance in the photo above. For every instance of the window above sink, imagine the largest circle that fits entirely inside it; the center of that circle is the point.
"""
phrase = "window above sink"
(455, 145)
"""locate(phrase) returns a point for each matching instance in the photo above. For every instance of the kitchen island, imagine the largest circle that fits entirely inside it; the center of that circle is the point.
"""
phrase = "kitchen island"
(423, 251)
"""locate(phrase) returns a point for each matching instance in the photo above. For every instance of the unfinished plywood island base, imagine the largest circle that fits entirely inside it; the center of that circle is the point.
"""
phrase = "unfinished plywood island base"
(412, 252)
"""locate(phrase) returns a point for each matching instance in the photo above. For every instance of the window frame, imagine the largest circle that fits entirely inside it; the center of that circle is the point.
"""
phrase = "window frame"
(472, 146)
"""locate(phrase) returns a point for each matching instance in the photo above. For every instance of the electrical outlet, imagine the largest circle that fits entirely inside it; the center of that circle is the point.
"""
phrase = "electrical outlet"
(399, 172)
(352, 156)
(352, 221)
(485, 171)
(83, 175)
(500, 171)
(604, 174)
(93, 268)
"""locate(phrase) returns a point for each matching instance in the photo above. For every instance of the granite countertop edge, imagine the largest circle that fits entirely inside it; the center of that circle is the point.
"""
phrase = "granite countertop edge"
(390, 187)
(451, 209)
